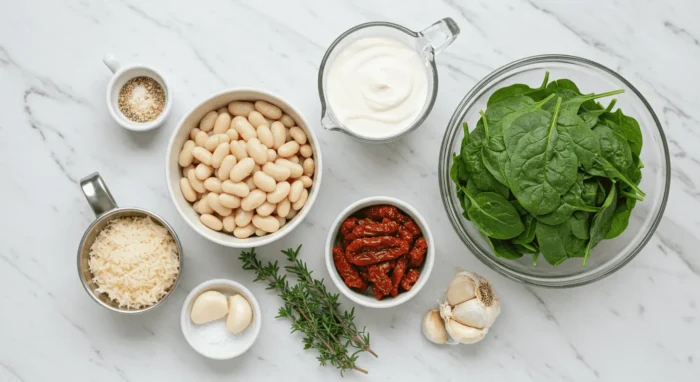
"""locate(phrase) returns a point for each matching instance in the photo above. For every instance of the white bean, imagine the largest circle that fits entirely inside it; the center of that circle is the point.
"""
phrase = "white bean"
(279, 193)
(213, 201)
(222, 150)
(202, 171)
(264, 182)
(229, 223)
(277, 172)
(241, 108)
(298, 134)
(213, 185)
(288, 149)
(295, 191)
(232, 134)
(266, 223)
(244, 128)
(226, 166)
(256, 119)
(243, 218)
(259, 232)
(229, 201)
(212, 222)
(295, 170)
(306, 151)
(222, 109)
(291, 215)
(309, 166)
(296, 206)
(244, 232)
(239, 189)
(223, 138)
(203, 155)
(211, 143)
(239, 150)
(187, 190)
(250, 183)
(222, 123)
(294, 159)
(266, 209)
(253, 200)
(268, 110)
(271, 155)
(187, 170)
(279, 134)
(193, 133)
(287, 121)
(257, 151)
(204, 207)
(283, 208)
(207, 122)
(242, 169)
(201, 138)
(265, 136)
(197, 184)
(307, 181)
(282, 220)
(185, 158)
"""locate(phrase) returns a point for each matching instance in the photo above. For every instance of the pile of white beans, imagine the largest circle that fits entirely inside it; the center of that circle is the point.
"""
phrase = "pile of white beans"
(247, 174)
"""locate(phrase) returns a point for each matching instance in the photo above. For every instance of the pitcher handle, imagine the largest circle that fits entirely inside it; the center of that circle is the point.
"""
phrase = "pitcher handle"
(97, 194)
(441, 34)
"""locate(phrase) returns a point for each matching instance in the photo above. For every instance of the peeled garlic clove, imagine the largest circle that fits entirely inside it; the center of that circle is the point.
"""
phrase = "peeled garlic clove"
(209, 306)
(461, 288)
(239, 315)
(475, 314)
(464, 334)
(434, 328)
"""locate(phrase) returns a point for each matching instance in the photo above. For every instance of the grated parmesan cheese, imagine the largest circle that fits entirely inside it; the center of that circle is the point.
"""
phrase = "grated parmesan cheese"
(134, 260)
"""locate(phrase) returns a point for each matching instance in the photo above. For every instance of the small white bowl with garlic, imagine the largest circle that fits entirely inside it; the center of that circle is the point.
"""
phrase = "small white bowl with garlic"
(220, 319)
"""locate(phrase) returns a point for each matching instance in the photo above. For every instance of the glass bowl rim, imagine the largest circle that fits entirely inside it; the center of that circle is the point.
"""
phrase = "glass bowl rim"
(445, 181)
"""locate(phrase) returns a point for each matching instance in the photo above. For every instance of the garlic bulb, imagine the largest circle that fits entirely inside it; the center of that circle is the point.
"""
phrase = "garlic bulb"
(470, 309)
(434, 328)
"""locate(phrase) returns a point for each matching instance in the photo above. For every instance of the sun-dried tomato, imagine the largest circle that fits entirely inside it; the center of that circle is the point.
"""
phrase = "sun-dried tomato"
(387, 266)
(397, 275)
(409, 279)
(348, 225)
(385, 228)
(381, 284)
(418, 252)
(372, 250)
(378, 213)
(346, 271)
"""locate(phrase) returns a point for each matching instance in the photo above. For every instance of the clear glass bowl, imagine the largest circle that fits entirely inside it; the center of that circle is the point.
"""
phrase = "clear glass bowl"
(609, 255)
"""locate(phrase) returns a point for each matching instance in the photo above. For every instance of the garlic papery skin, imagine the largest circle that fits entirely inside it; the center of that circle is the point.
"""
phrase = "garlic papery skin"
(240, 314)
(461, 289)
(476, 313)
(434, 328)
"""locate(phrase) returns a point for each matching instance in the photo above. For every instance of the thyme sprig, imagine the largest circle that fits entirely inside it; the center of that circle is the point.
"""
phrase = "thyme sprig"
(313, 311)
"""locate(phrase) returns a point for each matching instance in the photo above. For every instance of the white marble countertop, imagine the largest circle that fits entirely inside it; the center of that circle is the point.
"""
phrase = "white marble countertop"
(641, 323)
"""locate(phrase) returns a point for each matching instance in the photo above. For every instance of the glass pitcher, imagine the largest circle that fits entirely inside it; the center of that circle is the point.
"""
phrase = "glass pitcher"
(428, 43)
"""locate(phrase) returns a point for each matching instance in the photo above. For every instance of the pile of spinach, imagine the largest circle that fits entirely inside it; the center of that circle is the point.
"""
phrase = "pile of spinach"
(549, 170)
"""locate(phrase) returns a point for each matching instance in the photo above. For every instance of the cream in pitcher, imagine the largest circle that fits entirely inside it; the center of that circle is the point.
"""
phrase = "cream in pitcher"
(377, 86)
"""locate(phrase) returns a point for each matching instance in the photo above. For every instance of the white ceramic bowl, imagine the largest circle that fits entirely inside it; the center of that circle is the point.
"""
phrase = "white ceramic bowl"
(173, 172)
(211, 339)
(368, 299)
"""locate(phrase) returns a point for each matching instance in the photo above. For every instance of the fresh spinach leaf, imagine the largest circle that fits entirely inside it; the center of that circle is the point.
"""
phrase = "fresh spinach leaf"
(518, 90)
(558, 243)
(571, 201)
(579, 225)
(602, 221)
(542, 167)
(615, 159)
(493, 215)
(621, 218)
(627, 127)
(589, 193)
(528, 233)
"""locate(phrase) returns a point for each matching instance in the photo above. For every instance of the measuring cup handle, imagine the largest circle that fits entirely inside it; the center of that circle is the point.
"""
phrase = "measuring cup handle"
(111, 62)
(441, 34)
(97, 194)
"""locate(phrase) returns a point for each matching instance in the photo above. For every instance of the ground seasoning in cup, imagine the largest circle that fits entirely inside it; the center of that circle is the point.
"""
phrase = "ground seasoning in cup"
(141, 99)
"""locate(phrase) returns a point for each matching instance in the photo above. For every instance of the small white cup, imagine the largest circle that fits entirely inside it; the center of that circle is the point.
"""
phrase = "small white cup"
(122, 74)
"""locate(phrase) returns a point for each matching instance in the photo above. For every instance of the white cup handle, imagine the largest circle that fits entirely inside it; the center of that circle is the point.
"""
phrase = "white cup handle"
(111, 61)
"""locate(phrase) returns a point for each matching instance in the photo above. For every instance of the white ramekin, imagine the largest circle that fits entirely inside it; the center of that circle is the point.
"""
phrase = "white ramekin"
(173, 173)
(367, 299)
